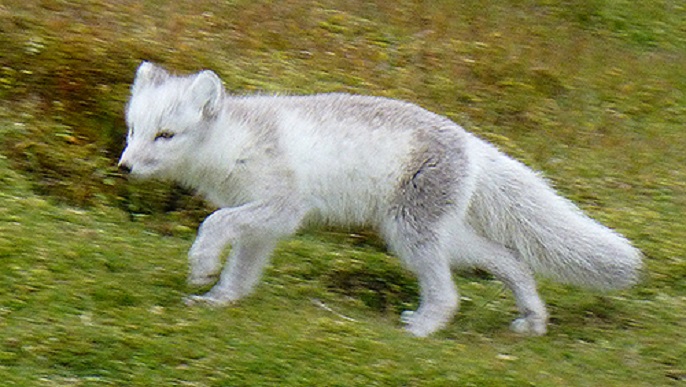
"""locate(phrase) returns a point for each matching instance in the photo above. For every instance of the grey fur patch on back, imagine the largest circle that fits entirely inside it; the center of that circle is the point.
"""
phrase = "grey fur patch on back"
(431, 182)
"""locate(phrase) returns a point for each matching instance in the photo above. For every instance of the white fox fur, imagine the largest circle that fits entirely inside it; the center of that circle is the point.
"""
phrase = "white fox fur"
(439, 196)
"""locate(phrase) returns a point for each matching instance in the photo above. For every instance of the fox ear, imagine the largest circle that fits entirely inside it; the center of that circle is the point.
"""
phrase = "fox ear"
(207, 92)
(148, 74)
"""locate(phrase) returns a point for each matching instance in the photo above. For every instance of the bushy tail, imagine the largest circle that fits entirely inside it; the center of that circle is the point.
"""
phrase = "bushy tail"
(515, 207)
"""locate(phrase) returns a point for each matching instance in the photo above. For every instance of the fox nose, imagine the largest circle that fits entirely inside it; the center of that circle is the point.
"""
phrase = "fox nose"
(124, 168)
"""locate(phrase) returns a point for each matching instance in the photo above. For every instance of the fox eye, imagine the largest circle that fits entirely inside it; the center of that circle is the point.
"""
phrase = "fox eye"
(164, 135)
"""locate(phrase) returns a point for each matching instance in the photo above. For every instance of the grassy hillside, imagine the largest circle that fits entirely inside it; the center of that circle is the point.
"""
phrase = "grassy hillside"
(92, 267)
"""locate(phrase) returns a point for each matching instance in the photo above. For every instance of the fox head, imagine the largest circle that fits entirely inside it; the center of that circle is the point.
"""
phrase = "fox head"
(167, 116)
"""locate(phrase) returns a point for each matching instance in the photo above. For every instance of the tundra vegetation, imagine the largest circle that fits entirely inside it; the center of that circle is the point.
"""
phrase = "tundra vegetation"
(93, 267)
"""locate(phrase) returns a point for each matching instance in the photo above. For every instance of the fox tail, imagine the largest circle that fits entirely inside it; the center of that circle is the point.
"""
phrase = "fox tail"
(515, 207)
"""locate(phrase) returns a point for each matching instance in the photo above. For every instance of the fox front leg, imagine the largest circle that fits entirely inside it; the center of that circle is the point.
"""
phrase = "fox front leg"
(253, 231)
(240, 275)
(215, 233)
(204, 259)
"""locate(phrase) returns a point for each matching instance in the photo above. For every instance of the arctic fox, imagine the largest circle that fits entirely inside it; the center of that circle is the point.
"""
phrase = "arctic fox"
(439, 196)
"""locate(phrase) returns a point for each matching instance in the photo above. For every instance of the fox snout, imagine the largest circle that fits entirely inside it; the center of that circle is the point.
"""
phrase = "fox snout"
(137, 163)
(124, 168)
(127, 162)
(124, 165)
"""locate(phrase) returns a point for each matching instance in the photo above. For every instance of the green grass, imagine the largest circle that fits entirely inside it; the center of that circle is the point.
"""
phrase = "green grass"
(91, 298)
(92, 267)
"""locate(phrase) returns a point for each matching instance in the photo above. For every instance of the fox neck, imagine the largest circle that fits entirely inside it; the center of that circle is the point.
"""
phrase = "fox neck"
(211, 166)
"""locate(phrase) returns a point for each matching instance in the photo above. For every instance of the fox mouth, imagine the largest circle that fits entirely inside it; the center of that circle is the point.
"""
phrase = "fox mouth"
(133, 173)
(138, 171)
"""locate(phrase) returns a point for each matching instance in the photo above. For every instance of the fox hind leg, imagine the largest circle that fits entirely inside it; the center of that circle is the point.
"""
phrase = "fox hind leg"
(477, 251)
(438, 294)
(419, 250)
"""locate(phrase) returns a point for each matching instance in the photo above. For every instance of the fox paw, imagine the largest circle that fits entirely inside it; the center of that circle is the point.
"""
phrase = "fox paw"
(421, 324)
(529, 326)
(206, 300)
(201, 280)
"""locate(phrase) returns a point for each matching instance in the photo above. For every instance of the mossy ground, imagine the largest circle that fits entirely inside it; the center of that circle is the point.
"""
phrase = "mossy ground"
(92, 267)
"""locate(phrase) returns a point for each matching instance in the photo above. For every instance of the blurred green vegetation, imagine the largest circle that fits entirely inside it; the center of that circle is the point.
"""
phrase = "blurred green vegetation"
(586, 74)
(591, 92)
